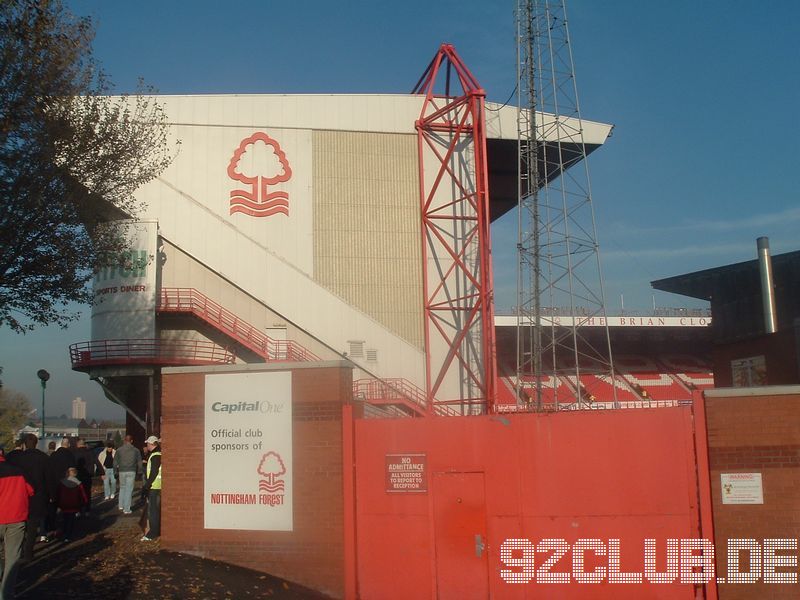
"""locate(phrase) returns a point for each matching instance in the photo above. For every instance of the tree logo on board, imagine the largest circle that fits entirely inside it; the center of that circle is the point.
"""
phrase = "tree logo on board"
(259, 162)
(272, 487)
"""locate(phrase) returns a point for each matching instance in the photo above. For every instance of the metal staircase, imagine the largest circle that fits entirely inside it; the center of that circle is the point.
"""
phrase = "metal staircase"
(387, 397)
(190, 301)
(399, 397)
(395, 397)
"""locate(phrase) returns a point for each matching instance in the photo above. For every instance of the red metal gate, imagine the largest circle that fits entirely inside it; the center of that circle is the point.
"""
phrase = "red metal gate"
(438, 501)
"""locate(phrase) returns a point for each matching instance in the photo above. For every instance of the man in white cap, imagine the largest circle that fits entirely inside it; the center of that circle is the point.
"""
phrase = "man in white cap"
(152, 488)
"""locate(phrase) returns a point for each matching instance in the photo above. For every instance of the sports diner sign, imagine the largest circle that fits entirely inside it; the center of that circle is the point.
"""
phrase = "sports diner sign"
(248, 451)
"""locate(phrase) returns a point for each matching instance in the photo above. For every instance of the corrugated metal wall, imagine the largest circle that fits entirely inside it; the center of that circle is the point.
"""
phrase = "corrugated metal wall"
(366, 225)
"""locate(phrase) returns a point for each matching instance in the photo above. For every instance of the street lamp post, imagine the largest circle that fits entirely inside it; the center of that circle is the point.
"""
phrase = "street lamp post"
(43, 377)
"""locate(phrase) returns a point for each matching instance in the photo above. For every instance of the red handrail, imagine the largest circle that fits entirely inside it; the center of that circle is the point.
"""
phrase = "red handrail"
(148, 351)
(397, 390)
(191, 301)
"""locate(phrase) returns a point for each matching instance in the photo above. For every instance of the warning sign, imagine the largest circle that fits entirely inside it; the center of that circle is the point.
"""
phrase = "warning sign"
(742, 488)
(406, 473)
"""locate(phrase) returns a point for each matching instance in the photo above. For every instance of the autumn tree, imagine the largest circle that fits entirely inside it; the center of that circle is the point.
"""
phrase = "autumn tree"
(71, 156)
(14, 411)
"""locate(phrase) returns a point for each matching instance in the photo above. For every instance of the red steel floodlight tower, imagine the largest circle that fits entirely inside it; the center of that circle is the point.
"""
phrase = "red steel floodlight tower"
(457, 276)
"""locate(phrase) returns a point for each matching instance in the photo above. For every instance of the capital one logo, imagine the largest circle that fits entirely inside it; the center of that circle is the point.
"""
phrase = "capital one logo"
(259, 162)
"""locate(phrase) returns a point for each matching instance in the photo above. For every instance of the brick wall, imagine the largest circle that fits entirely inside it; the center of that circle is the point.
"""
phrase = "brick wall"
(778, 349)
(312, 554)
(756, 434)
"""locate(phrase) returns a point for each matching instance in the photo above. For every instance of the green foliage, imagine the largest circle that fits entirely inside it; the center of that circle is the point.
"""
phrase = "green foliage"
(14, 409)
(71, 157)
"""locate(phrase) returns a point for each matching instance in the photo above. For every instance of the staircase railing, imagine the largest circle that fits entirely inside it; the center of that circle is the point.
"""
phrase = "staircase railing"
(399, 393)
(152, 351)
(189, 300)
(396, 391)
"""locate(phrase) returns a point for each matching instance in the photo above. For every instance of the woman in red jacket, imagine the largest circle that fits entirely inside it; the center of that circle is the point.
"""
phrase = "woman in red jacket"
(14, 494)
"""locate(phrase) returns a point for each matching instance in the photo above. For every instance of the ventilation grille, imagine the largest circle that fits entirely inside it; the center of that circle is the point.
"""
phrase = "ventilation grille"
(356, 349)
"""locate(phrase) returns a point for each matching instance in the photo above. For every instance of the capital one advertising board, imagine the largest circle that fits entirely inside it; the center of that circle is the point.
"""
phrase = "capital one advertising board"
(248, 451)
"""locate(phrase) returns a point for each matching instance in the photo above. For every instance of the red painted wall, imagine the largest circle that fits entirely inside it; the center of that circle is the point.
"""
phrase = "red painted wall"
(625, 475)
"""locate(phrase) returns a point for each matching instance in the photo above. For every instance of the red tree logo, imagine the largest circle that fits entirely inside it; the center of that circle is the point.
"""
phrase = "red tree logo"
(259, 162)
(271, 467)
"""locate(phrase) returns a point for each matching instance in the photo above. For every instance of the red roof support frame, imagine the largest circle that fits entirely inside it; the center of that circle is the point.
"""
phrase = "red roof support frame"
(457, 275)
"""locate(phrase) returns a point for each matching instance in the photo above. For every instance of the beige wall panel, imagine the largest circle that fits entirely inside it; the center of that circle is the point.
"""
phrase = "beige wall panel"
(366, 225)
(182, 271)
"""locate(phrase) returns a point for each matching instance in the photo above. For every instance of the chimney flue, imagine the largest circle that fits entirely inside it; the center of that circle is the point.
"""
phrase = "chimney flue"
(767, 286)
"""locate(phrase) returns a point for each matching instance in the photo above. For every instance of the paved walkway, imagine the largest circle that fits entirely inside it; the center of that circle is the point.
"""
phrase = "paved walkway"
(107, 561)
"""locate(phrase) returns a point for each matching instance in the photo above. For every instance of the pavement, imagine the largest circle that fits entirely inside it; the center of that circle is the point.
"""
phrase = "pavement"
(107, 560)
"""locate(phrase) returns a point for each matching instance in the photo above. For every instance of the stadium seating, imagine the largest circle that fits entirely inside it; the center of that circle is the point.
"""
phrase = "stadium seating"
(649, 379)
(552, 388)
(505, 392)
(642, 381)
(601, 389)
(690, 370)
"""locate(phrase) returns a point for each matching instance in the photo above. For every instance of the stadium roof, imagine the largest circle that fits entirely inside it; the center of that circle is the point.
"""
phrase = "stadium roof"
(709, 283)
(398, 113)
(735, 295)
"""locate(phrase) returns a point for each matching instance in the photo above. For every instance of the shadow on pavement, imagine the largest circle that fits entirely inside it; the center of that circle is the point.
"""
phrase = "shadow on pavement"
(106, 560)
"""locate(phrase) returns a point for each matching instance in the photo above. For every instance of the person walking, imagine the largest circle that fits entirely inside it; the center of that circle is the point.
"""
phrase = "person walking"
(57, 464)
(14, 495)
(19, 445)
(85, 463)
(71, 500)
(152, 488)
(127, 464)
(33, 463)
(106, 461)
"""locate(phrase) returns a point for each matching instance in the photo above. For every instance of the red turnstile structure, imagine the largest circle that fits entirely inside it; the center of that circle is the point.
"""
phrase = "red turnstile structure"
(457, 276)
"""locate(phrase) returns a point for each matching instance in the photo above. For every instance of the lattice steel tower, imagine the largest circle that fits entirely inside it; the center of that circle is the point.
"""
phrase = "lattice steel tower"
(560, 286)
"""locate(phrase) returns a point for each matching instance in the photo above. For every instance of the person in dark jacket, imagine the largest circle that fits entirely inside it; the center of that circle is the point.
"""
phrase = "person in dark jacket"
(17, 449)
(151, 488)
(71, 500)
(33, 463)
(57, 464)
(14, 494)
(84, 462)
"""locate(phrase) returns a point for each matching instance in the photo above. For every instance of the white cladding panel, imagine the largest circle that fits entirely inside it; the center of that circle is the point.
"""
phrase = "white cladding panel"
(269, 257)
(203, 170)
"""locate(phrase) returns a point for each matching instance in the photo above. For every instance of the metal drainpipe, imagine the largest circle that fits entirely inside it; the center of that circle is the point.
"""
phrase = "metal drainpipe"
(767, 289)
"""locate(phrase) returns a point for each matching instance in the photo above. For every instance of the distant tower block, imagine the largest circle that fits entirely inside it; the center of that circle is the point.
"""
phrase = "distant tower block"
(78, 408)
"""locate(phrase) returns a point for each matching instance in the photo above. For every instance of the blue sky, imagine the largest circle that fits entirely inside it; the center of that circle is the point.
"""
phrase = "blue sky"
(703, 159)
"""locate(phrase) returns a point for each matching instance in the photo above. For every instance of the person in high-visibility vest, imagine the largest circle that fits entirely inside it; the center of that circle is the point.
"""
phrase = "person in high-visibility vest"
(152, 488)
